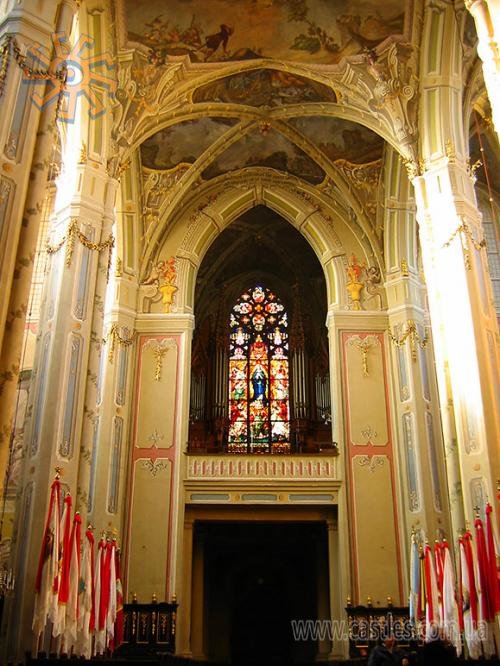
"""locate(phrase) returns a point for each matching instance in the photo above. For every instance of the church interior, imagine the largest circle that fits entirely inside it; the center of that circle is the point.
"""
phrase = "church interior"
(250, 269)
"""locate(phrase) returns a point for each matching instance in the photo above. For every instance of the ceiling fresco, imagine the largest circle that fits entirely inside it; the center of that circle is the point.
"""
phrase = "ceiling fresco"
(341, 139)
(184, 142)
(312, 31)
(264, 87)
(336, 138)
(266, 149)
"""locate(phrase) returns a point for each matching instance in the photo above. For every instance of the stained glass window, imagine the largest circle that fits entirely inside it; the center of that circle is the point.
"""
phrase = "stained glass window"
(259, 411)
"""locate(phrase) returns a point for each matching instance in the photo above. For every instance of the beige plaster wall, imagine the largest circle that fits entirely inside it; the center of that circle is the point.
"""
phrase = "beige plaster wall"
(370, 461)
(152, 466)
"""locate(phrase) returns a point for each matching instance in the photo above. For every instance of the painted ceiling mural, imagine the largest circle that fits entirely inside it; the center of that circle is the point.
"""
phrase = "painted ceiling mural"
(312, 31)
(336, 138)
(184, 142)
(341, 139)
(264, 87)
(266, 149)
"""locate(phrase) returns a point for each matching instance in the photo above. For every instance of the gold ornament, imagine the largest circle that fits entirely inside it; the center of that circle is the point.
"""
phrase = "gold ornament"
(75, 233)
(115, 337)
(464, 229)
(411, 334)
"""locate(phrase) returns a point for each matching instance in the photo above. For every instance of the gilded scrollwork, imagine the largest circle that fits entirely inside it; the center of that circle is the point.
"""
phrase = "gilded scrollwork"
(412, 335)
(160, 348)
(118, 335)
(74, 234)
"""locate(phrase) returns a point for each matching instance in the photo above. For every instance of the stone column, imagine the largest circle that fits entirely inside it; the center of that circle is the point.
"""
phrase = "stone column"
(61, 425)
(96, 357)
(417, 411)
(463, 322)
(103, 482)
(416, 407)
(486, 15)
(26, 159)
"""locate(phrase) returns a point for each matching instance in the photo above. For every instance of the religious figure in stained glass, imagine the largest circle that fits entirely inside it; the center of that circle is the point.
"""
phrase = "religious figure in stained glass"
(258, 374)
(259, 383)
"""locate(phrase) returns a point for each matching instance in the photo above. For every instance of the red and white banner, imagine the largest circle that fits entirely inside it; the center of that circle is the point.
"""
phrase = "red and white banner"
(450, 618)
(47, 578)
(432, 614)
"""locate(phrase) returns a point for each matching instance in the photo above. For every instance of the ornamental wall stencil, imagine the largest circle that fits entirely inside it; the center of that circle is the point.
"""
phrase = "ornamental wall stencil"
(156, 437)
(370, 434)
(154, 466)
(372, 462)
(160, 347)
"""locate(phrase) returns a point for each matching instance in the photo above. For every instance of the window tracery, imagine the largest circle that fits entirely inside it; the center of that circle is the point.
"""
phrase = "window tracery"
(259, 407)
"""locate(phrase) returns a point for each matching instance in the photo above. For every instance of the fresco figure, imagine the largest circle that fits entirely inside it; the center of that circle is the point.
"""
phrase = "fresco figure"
(212, 42)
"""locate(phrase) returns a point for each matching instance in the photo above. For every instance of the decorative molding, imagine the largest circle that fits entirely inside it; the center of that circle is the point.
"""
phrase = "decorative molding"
(411, 462)
(240, 467)
(5, 189)
(156, 185)
(10, 149)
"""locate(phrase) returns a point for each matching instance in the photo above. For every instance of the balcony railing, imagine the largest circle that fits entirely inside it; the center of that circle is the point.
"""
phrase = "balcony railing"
(196, 447)
(306, 436)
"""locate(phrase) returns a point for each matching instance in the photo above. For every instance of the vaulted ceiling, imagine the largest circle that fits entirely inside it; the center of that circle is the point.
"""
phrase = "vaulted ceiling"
(222, 89)
(265, 115)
